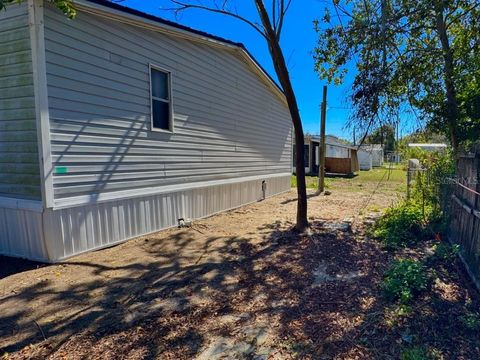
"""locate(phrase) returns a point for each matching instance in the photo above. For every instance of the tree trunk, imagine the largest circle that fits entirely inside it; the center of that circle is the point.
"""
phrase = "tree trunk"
(284, 78)
(448, 76)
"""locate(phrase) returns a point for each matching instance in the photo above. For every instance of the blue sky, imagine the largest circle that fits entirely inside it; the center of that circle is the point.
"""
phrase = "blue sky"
(298, 42)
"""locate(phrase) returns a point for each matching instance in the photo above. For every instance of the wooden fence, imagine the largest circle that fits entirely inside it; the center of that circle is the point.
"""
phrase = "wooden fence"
(464, 211)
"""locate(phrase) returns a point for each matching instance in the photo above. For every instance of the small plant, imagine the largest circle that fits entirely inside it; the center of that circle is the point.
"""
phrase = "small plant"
(402, 310)
(414, 353)
(404, 279)
(400, 226)
(446, 252)
(471, 320)
(395, 314)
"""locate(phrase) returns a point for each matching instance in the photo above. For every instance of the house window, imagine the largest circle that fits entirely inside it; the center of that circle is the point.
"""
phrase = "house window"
(306, 155)
(161, 99)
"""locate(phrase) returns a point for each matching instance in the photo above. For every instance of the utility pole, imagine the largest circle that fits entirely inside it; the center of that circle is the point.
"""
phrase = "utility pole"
(321, 170)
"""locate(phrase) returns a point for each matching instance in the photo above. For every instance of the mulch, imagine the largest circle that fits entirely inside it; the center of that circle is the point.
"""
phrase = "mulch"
(273, 282)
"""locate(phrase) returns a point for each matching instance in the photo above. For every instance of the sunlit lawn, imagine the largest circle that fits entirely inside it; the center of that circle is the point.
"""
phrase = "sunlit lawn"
(392, 175)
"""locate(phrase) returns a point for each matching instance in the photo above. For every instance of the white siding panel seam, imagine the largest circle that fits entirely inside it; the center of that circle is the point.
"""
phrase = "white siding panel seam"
(152, 191)
(37, 41)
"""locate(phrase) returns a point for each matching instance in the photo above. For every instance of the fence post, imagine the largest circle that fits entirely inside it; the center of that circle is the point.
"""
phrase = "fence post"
(409, 178)
(475, 236)
(413, 165)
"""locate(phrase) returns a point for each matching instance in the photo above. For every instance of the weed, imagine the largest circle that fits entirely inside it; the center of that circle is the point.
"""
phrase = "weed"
(404, 279)
(446, 252)
(395, 314)
(471, 320)
(403, 310)
(414, 353)
(400, 226)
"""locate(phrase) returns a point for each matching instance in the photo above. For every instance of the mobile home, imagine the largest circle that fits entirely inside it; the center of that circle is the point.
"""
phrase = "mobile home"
(118, 123)
(340, 158)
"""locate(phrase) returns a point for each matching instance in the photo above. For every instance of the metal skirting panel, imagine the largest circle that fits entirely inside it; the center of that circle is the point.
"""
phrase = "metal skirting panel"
(21, 234)
(75, 230)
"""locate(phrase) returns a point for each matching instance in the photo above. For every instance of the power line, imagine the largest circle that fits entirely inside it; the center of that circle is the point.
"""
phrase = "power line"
(340, 108)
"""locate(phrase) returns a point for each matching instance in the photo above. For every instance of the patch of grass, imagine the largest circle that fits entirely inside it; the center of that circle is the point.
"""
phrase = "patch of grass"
(414, 353)
(377, 174)
(367, 180)
(404, 280)
(400, 226)
(395, 178)
(311, 182)
(374, 208)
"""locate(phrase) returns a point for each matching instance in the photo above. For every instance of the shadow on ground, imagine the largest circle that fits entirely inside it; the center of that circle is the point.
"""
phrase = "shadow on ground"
(284, 296)
(10, 266)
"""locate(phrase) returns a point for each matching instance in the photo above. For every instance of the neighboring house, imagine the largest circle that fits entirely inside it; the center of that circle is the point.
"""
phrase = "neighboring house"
(340, 158)
(118, 124)
(370, 156)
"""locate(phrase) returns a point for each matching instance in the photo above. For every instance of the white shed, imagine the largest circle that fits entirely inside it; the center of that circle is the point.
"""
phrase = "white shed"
(119, 123)
(365, 159)
(370, 155)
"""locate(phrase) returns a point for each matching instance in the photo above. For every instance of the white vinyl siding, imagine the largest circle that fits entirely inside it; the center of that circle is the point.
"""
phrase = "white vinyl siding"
(228, 122)
(19, 160)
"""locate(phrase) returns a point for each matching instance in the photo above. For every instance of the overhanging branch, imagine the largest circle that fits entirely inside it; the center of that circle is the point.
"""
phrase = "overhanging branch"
(181, 6)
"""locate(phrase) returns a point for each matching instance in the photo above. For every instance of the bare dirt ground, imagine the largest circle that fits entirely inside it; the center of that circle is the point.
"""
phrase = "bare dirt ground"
(241, 284)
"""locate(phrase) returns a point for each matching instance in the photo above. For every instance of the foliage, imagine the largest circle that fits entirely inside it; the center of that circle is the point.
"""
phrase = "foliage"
(66, 6)
(401, 225)
(414, 353)
(428, 191)
(411, 56)
(471, 320)
(404, 279)
(446, 252)
(385, 135)
(420, 136)
(430, 187)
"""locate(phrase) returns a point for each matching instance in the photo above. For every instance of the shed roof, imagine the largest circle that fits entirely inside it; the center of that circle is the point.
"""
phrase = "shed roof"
(371, 147)
(331, 141)
(167, 26)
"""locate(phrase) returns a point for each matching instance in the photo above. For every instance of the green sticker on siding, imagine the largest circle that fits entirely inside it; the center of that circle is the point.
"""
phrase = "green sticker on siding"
(61, 170)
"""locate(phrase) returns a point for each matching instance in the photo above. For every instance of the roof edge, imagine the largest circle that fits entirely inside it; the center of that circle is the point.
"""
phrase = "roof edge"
(136, 17)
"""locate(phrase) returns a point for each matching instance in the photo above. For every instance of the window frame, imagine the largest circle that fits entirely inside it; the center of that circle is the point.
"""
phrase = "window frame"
(169, 101)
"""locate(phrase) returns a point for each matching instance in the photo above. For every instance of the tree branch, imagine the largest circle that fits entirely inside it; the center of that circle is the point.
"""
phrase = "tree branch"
(181, 6)
(283, 12)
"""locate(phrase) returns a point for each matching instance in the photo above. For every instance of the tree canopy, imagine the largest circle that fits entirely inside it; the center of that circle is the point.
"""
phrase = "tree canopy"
(66, 6)
(384, 135)
(417, 55)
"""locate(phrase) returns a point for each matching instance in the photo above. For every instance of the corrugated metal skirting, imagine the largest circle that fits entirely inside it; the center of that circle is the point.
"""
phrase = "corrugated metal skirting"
(21, 234)
(79, 229)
